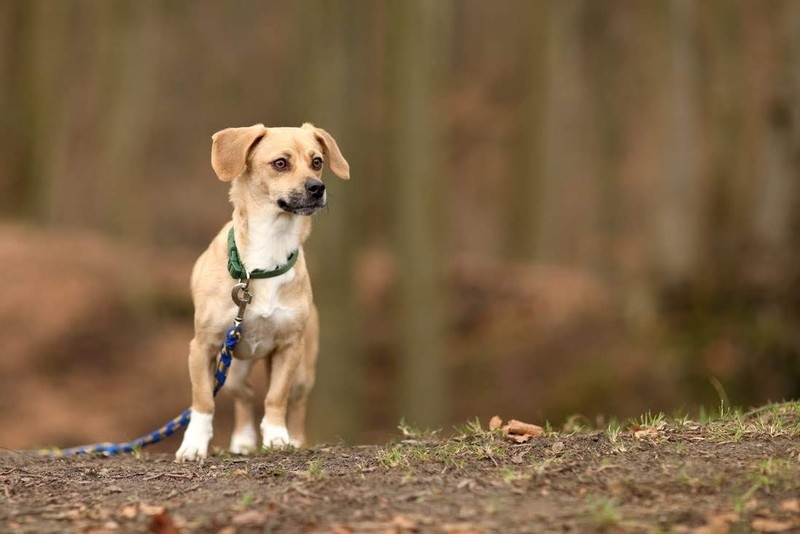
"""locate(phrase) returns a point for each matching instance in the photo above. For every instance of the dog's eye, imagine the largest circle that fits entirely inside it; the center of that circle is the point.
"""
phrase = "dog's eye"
(316, 163)
(280, 164)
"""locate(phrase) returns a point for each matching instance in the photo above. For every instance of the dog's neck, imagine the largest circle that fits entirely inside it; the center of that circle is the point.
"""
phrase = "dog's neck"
(265, 234)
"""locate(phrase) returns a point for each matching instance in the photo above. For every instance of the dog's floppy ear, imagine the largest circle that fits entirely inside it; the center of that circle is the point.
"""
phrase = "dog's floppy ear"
(336, 161)
(229, 149)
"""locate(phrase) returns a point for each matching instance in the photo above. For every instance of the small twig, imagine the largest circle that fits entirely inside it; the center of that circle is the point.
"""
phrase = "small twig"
(300, 490)
(768, 407)
(179, 475)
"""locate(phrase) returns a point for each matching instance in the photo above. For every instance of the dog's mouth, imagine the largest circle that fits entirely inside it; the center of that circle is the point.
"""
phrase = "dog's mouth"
(301, 206)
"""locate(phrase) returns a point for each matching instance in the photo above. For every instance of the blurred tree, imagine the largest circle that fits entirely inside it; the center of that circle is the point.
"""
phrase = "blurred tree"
(677, 199)
(726, 225)
(331, 82)
(132, 35)
(776, 27)
(529, 153)
(418, 48)
(37, 63)
(567, 196)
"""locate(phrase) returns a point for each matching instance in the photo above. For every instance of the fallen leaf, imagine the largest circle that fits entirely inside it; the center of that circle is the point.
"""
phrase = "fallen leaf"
(717, 524)
(466, 483)
(729, 517)
(460, 528)
(150, 510)
(648, 432)
(518, 427)
(129, 511)
(790, 505)
(163, 524)
(520, 457)
(72, 515)
(519, 438)
(403, 522)
(251, 518)
(495, 423)
(772, 525)
(520, 432)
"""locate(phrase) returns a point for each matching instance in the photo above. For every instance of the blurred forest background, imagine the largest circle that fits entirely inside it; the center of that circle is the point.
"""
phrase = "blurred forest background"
(555, 207)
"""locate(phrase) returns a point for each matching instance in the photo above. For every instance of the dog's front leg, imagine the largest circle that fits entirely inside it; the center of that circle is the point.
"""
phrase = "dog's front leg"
(284, 365)
(202, 360)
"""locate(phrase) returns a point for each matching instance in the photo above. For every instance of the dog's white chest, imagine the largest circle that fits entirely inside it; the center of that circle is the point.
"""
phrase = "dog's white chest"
(266, 303)
(267, 314)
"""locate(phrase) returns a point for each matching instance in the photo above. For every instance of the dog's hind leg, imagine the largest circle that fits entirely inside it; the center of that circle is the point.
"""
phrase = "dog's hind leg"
(303, 384)
(296, 414)
(244, 437)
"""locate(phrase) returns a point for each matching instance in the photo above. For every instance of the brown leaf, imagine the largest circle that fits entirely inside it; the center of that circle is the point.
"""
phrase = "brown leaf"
(151, 510)
(648, 432)
(772, 525)
(790, 505)
(129, 511)
(404, 523)
(460, 528)
(520, 432)
(251, 518)
(495, 423)
(163, 524)
(519, 438)
(518, 427)
(717, 524)
(72, 515)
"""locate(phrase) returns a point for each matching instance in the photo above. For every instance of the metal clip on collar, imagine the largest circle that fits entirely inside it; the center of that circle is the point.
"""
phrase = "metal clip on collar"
(241, 297)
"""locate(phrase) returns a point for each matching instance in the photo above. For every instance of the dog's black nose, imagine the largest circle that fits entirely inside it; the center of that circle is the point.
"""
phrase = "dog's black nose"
(315, 187)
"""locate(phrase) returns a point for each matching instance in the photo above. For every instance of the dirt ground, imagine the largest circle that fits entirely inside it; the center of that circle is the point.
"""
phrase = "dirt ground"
(739, 473)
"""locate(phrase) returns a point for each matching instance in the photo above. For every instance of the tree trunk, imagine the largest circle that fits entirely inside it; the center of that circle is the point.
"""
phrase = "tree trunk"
(676, 220)
(418, 46)
(330, 81)
(526, 202)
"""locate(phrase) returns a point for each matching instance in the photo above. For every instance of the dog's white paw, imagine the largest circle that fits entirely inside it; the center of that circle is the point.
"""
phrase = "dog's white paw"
(243, 441)
(274, 436)
(196, 438)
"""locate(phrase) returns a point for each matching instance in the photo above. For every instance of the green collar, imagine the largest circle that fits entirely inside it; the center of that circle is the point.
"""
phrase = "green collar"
(237, 270)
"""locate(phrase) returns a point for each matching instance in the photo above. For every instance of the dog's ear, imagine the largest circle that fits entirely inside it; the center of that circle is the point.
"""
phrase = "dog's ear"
(336, 161)
(229, 149)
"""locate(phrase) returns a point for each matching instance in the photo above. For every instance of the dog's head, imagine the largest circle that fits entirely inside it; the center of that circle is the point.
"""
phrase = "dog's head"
(282, 166)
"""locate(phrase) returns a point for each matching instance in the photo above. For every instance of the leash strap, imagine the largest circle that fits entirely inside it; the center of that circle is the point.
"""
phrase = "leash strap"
(241, 297)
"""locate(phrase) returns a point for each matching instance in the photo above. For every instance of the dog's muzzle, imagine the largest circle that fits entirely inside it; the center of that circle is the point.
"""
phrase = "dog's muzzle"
(307, 202)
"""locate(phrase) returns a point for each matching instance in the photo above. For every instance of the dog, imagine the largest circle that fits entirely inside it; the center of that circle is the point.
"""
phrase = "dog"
(276, 184)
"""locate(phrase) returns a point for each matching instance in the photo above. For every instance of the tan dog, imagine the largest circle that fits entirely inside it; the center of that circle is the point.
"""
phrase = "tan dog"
(275, 176)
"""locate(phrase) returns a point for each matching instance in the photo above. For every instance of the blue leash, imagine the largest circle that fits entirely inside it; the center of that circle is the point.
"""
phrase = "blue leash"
(242, 297)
